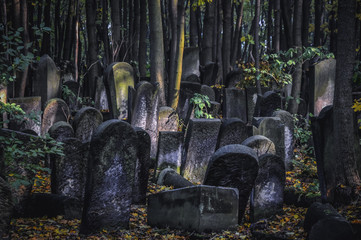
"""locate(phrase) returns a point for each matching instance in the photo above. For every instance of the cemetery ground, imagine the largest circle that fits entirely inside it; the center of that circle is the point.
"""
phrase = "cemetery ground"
(288, 225)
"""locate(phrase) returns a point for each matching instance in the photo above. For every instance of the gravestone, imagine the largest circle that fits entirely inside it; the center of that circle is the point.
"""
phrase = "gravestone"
(6, 207)
(47, 80)
(232, 131)
(110, 179)
(56, 110)
(268, 103)
(260, 144)
(71, 97)
(234, 166)
(30, 105)
(170, 150)
(267, 197)
(198, 208)
(168, 119)
(233, 78)
(142, 167)
(193, 78)
(287, 120)
(190, 62)
(251, 95)
(322, 85)
(61, 130)
(146, 112)
(86, 121)
(208, 91)
(235, 104)
(209, 74)
(199, 145)
(169, 177)
(186, 92)
(273, 129)
(68, 173)
(118, 77)
(101, 99)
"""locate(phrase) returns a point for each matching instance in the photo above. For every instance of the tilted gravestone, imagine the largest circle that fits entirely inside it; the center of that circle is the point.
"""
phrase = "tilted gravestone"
(233, 131)
(61, 130)
(186, 92)
(6, 206)
(267, 197)
(110, 179)
(252, 96)
(168, 119)
(287, 120)
(170, 150)
(56, 110)
(47, 80)
(32, 106)
(209, 74)
(322, 85)
(199, 145)
(233, 79)
(273, 129)
(142, 167)
(190, 62)
(234, 166)
(101, 99)
(208, 91)
(267, 103)
(146, 112)
(198, 208)
(169, 177)
(118, 77)
(68, 172)
(260, 144)
(235, 104)
(193, 78)
(86, 121)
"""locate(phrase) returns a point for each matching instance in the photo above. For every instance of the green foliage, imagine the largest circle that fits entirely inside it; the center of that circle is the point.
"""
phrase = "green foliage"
(15, 59)
(201, 103)
(71, 97)
(17, 114)
(302, 134)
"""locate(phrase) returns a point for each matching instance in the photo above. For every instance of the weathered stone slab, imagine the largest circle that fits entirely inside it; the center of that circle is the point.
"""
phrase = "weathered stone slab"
(68, 172)
(111, 168)
(267, 198)
(260, 144)
(190, 62)
(169, 177)
(101, 99)
(234, 166)
(47, 80)
(233, 78)
(30, 105)
(168, 119)
(198, 208)
(208, 91)
(233, 131)
(86, 121)
(234, 104)
(322, 85)
(287, 120)
(56, 110)
(200, 144)
(142, 167)
(61, 131)
(170, 150)
(267, 103)
(146, 112)
(118, 77)
(273, 129)
(186, 92)
(209, 74)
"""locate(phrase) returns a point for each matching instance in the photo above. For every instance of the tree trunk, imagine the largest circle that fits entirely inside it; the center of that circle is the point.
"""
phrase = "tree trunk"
(45, 45)
(173, 50)
(343, 114)
(237, 32)
(305, 21)
(269, 26)
(318, 13)
(105, 38)
(57, 29)
(297, 75)
(142, 39)
(256, 45)
(69, 33)
(156, 48)
(207, 42)
(277, 30)
(116, 41)
(227, 37)
(193, 30)
(287, 22)
(92, 51)
(130, 30)
(136, 30)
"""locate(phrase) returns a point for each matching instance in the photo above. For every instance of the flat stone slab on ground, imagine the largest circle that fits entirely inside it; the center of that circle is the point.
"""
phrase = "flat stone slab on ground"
(199, 208)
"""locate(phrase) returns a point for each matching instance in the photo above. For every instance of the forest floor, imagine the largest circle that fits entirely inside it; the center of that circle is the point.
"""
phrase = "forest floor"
(288, 225)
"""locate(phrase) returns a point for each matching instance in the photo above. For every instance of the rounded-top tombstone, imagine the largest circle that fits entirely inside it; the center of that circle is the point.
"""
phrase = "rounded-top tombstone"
(61, 130)
(260, 144)
(86, 122)
(55, 110)
(119, 76)
(234, 166)
(233, 131)
(168, 119)
(111, 168)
